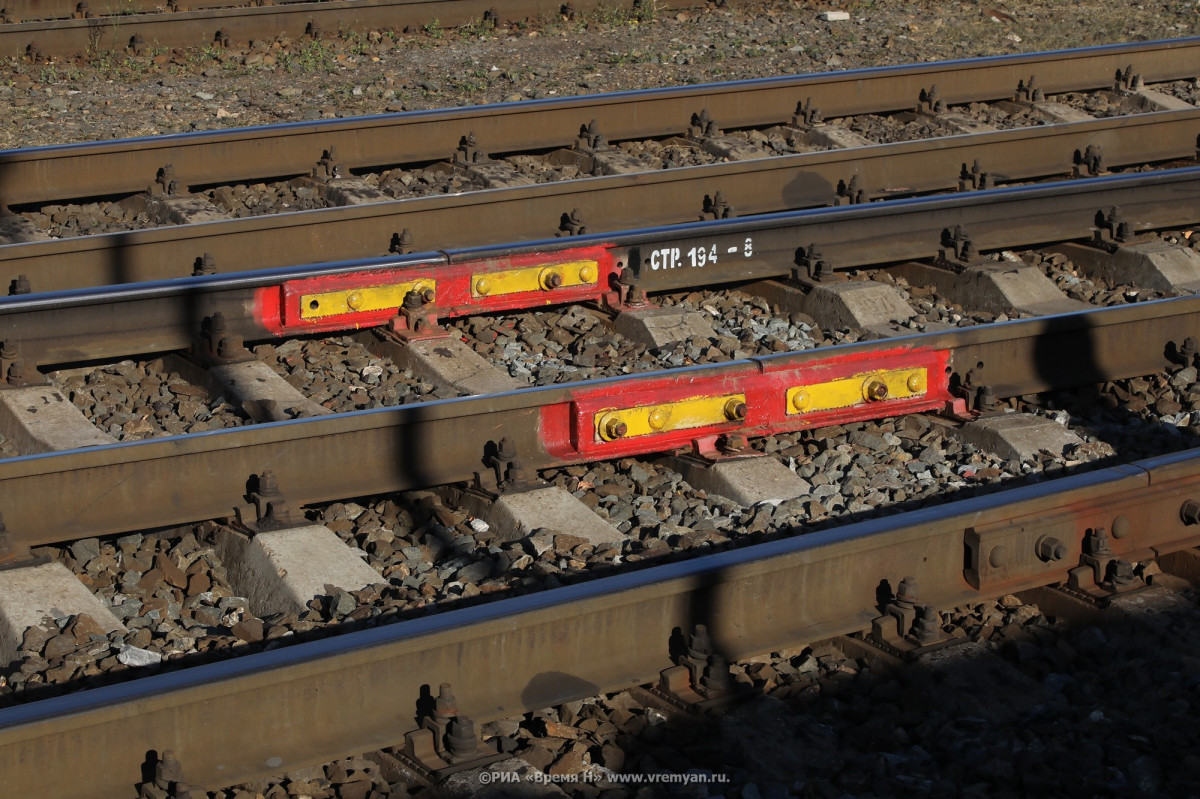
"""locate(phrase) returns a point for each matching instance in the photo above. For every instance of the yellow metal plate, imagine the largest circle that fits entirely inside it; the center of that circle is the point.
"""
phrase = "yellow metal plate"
(644, 420)
(860, 389)
(360, 299)
(535, 278)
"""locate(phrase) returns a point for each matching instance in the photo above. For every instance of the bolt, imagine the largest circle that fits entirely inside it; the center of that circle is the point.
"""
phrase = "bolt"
(986, 399)
(716, 679)
(613, 428)
(354, 300)
(735, 409)
(1122, 573)
(998, 557)
(927, 629)
(205, 265)
(402, 243)
(1096, 542)
(446, 705)
(516, 472)
(700, 645)
(268, 486)
(732, 444)
(16, 374)
(19, 286)
(906, 594)
(1049, 548)
(1189, 349)
(916, 382)
(169, 769)
(1189, 512)
(550, 279)
(875, 390)
(1120, 527)
(482, 286)
(658, 418)
(413, 300)
(230, 346)
(801, 400)
(460, 737)
(588, 273)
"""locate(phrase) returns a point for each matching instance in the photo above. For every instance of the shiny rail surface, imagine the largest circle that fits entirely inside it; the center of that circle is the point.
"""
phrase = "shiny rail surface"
(614, 203)
(41, 175)
(308, 703)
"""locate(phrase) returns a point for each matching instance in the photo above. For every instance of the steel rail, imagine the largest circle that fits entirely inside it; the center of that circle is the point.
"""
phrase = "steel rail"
(117, 322)
(47, 174)
(103, 490)
(316, 701)
(18, 11)
(448, 13)
(606, 203)
(218, 23)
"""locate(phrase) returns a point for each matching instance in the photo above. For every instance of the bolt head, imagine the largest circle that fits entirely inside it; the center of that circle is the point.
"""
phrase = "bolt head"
(801, 400)
(612, 427)
(550, 279)
(588, 273)
(916, 383)
(875, 390)
(354, 300)
(483, 286)
(658, 418)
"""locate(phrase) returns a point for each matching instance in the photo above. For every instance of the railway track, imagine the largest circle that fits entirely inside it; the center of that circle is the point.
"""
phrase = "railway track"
(541, 200)
(1097, 338)
(50, 174)
(756, 282)
(42, 31)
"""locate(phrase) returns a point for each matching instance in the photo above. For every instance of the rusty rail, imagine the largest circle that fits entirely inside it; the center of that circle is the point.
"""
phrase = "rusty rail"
(109, 168)
(119, 322)
(233, 23)
(49, 10)
(310, 703)
(607, 203)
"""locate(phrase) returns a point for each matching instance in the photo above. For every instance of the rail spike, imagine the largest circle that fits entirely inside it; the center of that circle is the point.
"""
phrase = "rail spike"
(446, 741)
(168, 781)
(906, 628)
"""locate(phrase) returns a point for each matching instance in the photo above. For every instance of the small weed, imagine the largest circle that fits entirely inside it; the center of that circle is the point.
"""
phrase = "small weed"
(613, 16)
(477, 29)
(433, 29)
(644, 10)
(313, 56)
(359, 45)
